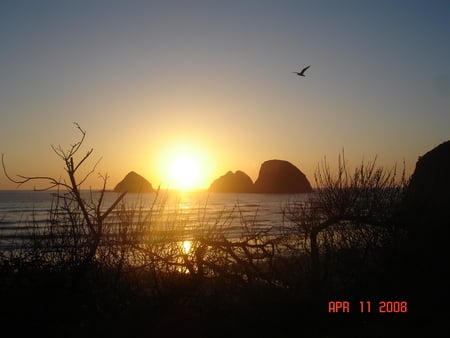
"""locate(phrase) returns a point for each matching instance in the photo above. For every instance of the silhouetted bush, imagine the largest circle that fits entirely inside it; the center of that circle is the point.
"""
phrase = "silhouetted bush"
(347, 228)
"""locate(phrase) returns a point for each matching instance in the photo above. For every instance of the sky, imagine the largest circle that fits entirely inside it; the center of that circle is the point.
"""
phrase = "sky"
(210, 84)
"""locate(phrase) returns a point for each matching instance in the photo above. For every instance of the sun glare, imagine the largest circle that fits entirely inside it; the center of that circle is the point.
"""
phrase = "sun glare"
(184, 172)
(186, 246)
(184, 168)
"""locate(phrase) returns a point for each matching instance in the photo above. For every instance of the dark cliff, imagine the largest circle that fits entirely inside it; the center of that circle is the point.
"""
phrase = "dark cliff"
(427, 197)
(427, 220)
(429, 188)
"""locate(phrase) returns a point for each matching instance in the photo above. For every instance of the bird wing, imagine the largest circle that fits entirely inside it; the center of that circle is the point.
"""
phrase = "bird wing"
(303, 70)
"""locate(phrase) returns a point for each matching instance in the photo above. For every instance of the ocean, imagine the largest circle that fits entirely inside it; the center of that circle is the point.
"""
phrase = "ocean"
(21, 209)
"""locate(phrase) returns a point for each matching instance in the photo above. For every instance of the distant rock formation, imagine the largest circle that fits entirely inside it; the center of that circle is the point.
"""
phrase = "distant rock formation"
(238, 182)
(134, 183)
(278, 176)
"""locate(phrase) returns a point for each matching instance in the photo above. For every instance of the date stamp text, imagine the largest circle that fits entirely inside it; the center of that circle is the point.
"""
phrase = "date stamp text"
(366, 306)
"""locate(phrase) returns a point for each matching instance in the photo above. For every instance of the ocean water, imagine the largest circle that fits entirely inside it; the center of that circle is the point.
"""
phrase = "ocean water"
(20, 209)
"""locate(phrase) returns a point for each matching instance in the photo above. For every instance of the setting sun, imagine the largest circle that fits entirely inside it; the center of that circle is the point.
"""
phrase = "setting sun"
(184, 167)
(184, 172)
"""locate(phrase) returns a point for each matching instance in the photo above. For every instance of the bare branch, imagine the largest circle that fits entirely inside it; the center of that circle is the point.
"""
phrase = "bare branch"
(22, 179)
(89, 173)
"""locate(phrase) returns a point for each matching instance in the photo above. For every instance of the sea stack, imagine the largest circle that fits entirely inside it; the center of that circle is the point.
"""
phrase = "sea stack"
(134, 183)
(282, 177)
(238, 182)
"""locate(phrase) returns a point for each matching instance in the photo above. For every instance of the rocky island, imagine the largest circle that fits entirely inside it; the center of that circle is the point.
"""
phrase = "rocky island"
(275, 176)
(233, 182)
(279, 176)
(134, 183)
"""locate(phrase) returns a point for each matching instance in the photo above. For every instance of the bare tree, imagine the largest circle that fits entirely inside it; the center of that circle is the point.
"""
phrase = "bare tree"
(352, 209)
(93, 213)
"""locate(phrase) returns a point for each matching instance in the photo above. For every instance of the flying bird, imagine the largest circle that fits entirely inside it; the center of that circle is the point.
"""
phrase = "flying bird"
(302, 73)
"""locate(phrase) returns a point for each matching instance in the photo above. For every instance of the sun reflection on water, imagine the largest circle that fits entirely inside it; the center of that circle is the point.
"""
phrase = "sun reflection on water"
(186, 246)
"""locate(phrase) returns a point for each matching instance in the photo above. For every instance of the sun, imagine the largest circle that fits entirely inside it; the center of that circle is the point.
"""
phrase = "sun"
(184, 168)
(184, 172)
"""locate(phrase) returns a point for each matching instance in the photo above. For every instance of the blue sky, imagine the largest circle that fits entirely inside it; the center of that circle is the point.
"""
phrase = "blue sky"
(146, 77)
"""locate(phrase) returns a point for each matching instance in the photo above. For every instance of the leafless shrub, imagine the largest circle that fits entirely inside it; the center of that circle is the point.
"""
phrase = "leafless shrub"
(349, 217)
(83, 218)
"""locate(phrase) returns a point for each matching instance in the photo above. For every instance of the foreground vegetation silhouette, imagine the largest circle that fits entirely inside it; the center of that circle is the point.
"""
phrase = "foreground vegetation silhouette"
(124, 270)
